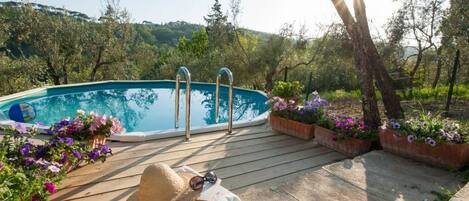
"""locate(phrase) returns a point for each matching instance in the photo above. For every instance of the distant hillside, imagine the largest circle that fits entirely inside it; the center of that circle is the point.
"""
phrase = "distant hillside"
(49, 9)
(161, 34)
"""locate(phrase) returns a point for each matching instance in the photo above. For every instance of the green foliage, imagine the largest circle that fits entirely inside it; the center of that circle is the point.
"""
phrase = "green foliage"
(287, 89)
(460, 91)
(341, 94)
(443, 195)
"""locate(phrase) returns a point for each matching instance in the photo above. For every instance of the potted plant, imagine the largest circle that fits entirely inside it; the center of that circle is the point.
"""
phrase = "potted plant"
(428, 138)
(291, 118)
(91, 128)
(30, 171)
(347, 135)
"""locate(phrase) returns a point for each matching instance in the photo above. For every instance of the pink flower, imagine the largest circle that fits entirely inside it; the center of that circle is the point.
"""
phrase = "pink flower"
(78, 123)
(116, 126)
(282, 105)
(102, 120)
(50, 187)
(93, 127)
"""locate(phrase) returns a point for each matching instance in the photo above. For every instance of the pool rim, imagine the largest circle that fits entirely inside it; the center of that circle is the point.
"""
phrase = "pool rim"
(138, 136)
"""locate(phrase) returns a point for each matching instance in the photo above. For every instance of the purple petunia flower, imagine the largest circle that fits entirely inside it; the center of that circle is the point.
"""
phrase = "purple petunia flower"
(1, 165)
(430, 141)
(93, 154)
(456, 138)
(410, 138)
(69, 141)
(63, 158)
(41, 152)
(43, 163)
(76, 154)
(25, 149)
(28, 161)
(105, 149)
(50, 187)
(395, 125)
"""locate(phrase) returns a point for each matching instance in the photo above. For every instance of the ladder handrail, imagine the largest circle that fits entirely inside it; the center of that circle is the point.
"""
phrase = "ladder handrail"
(227, 72)
(184, 71)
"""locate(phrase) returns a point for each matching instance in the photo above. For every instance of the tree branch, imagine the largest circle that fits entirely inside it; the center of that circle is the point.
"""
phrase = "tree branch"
(344, 14)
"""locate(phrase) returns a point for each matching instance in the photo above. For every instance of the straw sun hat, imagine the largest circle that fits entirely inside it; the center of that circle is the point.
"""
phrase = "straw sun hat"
(161, 183)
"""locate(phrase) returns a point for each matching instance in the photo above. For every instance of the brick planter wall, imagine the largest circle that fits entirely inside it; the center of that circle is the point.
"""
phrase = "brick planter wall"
(448, 156)
(293, 128)
(350, 147)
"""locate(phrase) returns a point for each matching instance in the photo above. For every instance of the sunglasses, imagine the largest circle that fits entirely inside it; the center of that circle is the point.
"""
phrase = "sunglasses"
(197, 182)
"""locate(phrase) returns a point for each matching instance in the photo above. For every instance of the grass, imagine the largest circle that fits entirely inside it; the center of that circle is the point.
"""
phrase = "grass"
(439, 93)
(460, 92)
(341, 94)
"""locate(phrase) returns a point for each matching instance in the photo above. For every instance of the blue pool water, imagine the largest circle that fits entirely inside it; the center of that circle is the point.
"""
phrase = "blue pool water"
(142, 106)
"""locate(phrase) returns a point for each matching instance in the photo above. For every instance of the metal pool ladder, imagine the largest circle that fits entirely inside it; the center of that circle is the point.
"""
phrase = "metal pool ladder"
(184, 71)
(227, 72)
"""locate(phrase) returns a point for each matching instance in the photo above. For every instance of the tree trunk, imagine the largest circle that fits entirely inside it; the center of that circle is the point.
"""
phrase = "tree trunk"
(93, 74)
(384, 82)
(53, 73)
(439, 65)
(97, 64)
(64, 69)
(369, 102)
(269, 80)
(452, 82)
(362, 64)
(417, 64)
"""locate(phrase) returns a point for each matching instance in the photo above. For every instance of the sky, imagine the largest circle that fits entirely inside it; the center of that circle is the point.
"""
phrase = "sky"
(260, 15)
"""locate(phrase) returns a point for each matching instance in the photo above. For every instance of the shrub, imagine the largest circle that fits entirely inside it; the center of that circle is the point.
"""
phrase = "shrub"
(288, 90)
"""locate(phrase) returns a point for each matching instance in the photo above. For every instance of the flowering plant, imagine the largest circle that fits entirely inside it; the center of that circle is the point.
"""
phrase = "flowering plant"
(87, 126)
(429, 129)
(30, 171)
(308, 113)
(348, 127)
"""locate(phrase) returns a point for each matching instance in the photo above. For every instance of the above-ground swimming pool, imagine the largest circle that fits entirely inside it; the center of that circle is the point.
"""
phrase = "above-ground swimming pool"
(145, 108)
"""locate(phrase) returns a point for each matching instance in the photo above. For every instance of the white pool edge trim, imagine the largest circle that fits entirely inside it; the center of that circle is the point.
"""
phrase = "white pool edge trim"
(168, 133)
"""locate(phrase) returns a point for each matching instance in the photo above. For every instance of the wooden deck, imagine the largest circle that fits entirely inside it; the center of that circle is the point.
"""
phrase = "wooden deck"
(251, 156)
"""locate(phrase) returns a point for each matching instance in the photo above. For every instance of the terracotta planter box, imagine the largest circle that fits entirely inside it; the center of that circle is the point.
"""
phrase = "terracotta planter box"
(293, 128)
(96, 141)
(448, 156)
(350, 147)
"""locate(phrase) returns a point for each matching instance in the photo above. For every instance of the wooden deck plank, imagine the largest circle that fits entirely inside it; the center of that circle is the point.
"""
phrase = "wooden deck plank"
(258, 149)
(266, 174)
(175, 147)
(127, 146)
(132, 181)
(229, 143)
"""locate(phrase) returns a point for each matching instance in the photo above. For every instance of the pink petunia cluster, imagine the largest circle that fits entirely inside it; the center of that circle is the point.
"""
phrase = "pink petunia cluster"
(279, 104)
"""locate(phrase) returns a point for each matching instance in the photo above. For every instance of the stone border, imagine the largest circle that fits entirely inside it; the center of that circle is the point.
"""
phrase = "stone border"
(147, 135)
(462, 194)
